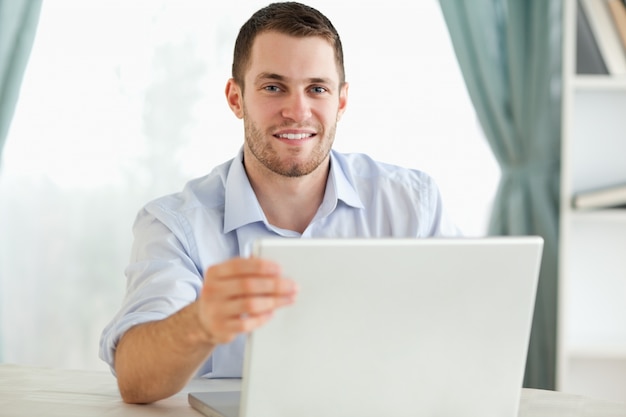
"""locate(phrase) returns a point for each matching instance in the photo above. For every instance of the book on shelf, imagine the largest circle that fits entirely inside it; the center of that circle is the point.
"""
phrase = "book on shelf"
(605, 32)
(618, 13)
(588, 56)
(601, 198)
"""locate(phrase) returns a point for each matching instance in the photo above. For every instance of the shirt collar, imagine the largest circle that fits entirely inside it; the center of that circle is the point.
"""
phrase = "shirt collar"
(340, 184)
(241, 206)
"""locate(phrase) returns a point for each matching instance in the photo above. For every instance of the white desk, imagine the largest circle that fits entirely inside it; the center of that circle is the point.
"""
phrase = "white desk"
(27, 391)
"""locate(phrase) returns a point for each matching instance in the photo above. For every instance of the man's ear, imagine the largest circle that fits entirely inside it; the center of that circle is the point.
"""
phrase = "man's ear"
(343, 100)
(234, 97)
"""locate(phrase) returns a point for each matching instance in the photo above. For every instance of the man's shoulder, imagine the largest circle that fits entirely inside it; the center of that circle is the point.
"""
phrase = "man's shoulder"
(206, 192)
(360, 165)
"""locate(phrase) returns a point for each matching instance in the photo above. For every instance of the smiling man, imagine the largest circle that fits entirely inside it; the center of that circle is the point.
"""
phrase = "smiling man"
(290, 93)
(193, 291)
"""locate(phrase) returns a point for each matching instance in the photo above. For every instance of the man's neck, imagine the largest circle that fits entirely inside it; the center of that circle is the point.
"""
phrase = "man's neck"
(289, 202)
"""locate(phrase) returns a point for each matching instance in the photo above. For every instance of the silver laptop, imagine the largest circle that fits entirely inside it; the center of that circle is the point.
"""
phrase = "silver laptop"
(391, 327)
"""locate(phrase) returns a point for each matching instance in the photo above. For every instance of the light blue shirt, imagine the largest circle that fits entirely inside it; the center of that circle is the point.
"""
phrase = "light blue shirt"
(217, 217)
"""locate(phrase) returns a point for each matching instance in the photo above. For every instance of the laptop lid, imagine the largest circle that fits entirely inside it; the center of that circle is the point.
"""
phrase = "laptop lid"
(400, 327)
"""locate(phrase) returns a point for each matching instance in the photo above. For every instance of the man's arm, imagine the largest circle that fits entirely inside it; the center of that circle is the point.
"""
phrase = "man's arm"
(155, 360)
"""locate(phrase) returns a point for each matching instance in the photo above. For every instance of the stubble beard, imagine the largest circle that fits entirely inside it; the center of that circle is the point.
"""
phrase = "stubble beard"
(264, 152)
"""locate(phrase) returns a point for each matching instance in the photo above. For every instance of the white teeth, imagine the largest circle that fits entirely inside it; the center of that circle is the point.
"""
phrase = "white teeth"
(295, 136)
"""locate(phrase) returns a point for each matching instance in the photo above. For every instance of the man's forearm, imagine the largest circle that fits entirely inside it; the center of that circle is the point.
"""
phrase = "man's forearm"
(155, 360)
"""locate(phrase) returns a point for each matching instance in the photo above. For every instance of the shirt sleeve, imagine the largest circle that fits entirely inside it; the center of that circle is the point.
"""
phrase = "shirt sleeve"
(161, 277)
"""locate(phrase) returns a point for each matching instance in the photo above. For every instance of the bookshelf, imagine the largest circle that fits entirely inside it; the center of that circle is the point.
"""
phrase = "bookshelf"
(592, 278)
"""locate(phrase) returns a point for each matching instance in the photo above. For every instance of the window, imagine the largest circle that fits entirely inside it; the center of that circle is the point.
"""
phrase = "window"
(123, 102)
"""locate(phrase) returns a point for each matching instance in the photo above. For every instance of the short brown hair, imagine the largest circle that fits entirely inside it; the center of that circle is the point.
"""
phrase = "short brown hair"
(289, 18)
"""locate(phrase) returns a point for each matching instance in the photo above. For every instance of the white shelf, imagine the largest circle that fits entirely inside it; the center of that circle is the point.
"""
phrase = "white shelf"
(599, 82)
(590, 351)
(615, 216)
(592, 264)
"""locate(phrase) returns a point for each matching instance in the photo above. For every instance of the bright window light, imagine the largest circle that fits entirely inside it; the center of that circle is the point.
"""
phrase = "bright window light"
(123, 101)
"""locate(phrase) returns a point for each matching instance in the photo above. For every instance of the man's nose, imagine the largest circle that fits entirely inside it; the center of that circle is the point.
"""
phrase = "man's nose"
(297, 107)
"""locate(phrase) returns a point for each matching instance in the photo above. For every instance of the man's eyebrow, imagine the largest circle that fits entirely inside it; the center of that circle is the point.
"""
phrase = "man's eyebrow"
(278, 77)
(270, 76)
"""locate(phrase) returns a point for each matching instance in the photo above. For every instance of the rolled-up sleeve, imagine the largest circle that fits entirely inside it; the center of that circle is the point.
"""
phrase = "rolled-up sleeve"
(162, 277)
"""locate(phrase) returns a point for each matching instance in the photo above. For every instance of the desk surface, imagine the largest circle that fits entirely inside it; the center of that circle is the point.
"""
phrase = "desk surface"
(27, 391)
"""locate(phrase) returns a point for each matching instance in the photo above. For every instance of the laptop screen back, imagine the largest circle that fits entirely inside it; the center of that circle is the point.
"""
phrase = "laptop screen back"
(398, 327)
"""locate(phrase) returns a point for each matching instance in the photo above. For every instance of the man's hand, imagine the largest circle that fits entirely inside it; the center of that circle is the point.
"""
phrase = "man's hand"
(240, 295)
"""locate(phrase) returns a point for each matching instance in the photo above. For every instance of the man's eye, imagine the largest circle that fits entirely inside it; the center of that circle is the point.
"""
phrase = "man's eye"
(319, 90)
(272, 88)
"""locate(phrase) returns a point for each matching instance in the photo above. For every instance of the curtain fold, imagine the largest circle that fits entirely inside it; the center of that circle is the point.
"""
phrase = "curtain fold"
(509, 52)
(18, 24)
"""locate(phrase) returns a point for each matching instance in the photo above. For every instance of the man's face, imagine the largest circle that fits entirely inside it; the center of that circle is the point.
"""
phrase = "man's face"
(291, 104)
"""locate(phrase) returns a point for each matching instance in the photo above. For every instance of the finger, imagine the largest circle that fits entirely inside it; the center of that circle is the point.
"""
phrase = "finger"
(246, 324)
(252, 306)
(250, 287)
(237, 267)
(220, 303)
(227, 328)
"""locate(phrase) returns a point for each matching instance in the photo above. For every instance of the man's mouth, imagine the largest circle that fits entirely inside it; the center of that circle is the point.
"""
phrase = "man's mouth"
(295, 136)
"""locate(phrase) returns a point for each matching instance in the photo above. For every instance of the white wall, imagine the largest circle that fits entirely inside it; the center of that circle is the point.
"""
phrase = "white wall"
(123, 101)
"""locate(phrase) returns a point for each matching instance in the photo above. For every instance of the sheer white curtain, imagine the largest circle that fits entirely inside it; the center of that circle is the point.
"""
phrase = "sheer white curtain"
(123, 101)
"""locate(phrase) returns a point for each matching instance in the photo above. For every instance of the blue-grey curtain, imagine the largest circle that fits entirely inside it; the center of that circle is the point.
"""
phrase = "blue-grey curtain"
(509, 52)
(18, 24)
